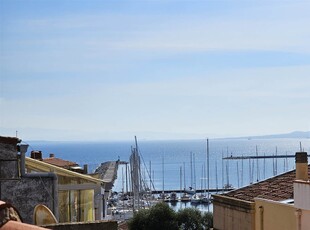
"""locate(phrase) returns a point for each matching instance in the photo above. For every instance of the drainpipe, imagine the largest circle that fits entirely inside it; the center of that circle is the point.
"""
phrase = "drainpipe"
(298, 218)
(23, 150)
(261, 215)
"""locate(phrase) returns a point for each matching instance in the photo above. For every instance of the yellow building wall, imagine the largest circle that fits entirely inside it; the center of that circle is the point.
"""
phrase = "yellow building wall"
(232, 219)
(76, 206)
(232, 214)
(305, 220)
(63, 206)
(87, 205)
(271, 215)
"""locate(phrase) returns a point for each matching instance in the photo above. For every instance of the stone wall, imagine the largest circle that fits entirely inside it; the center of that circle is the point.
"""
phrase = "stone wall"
(8, 158)
(26, 193)
(22, 192)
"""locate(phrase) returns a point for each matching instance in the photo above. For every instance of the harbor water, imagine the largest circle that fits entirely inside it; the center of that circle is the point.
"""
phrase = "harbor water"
(178, 164)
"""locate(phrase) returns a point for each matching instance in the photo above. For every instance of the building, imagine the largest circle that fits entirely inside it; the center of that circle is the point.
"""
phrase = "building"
(24, 190)
(80, 197)
(26, 182)
(267, 205)
(302, 194)
(70, 165)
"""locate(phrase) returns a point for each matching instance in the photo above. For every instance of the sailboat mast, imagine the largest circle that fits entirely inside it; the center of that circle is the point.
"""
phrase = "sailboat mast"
(180, 178)
(257, 170)
(184, 176)
(150, 177)
(217, 187)
(194, 163)
(222, 171)
(191, 169)
(163, 176)
(208, 172)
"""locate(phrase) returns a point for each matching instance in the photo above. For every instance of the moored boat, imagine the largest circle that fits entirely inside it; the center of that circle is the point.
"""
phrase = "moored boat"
(195, 199)
(185, 197)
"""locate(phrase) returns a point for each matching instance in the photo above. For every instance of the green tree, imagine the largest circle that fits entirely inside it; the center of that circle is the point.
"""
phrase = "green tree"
(160, 216)
(190, 219)
(139, 220)
(208, 220)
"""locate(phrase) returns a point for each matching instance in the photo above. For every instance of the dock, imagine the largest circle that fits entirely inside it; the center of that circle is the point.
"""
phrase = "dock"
(108, 172)
(211, 190)
(258, 157)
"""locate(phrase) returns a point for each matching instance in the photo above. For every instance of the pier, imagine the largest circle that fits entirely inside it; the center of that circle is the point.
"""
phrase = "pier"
(212, 190)
(108, 172)
(258, 157)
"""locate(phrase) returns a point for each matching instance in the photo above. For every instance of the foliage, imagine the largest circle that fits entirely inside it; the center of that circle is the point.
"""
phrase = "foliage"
(190, 219)
(162, 217)
(140, 220)
(208, 220)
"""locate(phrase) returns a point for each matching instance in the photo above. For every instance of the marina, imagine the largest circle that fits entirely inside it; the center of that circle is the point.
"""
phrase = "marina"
(165, 166)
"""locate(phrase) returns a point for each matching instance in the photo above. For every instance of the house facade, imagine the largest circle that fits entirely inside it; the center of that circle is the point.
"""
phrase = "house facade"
(80, 197)
(24, 191)
(278, 203)
(26, 182)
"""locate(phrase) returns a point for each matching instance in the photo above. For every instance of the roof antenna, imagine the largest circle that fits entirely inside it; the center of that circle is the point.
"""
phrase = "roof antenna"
(300, 146)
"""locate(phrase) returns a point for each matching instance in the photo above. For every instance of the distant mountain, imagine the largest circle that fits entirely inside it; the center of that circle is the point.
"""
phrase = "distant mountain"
(295, 134)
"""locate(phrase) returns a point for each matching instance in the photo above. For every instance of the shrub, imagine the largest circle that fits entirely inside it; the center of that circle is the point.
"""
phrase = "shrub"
(208, 220)
(162, 217)
(190, 219)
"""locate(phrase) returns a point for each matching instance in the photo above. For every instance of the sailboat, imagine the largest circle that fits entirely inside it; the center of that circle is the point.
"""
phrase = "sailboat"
(206, 197)
(163, 197)
(135, 176)
(191, 190)
(185, 197)
(140, 191)
(195, 199)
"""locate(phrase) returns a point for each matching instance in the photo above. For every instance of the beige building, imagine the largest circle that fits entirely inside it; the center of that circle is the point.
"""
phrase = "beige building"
(80, 197)
(269, 204)
(26, 182)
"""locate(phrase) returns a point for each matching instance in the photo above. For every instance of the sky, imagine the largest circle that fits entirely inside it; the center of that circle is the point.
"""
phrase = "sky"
(158, 69)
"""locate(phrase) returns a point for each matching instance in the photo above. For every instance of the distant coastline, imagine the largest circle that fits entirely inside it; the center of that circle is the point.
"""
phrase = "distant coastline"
(295, 134)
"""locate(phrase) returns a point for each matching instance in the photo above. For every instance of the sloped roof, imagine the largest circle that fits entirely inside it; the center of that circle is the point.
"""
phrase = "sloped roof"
(45, 167)
(277, 188)
(59, 162)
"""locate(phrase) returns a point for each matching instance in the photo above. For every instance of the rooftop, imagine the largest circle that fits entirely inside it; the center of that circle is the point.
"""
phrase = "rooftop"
(59, 162)
(278, 188)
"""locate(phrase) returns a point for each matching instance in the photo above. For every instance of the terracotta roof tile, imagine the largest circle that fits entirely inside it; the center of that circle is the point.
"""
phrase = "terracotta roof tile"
(277, 188)
(59, 162)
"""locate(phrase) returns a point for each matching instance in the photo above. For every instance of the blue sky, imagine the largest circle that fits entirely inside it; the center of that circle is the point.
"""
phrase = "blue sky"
(109, 70)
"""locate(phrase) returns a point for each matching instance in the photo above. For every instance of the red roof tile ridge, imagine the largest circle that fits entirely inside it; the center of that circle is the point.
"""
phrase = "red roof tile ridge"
(276, 188)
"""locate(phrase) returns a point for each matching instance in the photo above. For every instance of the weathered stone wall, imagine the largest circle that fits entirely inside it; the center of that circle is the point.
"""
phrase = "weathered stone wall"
(8, 158)
(26, 193)
(23, 192)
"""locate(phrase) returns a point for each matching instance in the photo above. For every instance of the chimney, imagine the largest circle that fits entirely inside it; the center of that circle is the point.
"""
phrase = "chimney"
(36, 155)
(52, 155)
(301, 160)
(85, 169)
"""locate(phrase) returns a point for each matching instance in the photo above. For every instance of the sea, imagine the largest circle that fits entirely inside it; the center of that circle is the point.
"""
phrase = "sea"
(178, 164)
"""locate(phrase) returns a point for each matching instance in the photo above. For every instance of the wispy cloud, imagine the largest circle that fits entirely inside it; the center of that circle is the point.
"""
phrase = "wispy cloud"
(159, 67)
